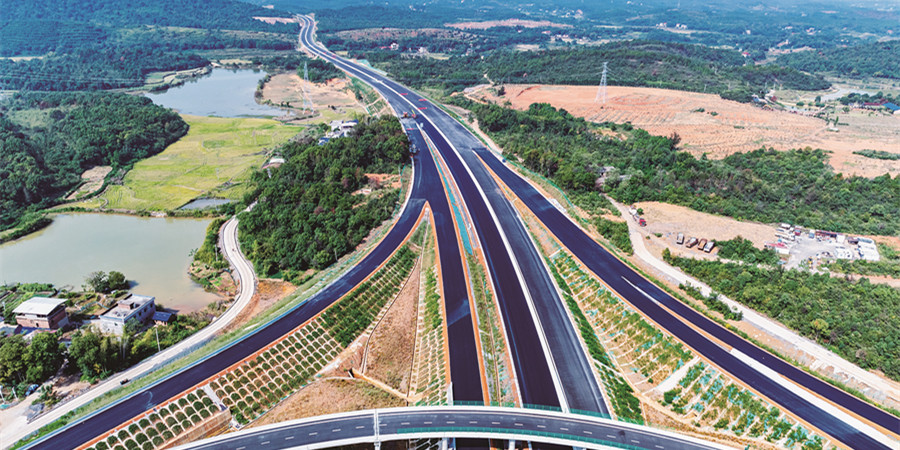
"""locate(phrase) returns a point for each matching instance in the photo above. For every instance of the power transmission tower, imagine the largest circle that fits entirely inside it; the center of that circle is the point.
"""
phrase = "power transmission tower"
(307, 103)
(601, 92)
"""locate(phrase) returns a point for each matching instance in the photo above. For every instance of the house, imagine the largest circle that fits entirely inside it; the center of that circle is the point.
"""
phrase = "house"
(42, 312)
(163, 317)
(134, 307)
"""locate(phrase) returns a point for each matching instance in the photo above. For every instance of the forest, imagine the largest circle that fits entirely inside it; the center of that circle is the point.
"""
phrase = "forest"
(319, 70)
(29, 28)
(856, 319)
(765, 185)
(73, 132)
(108, 44)
(632, 63)
(874, 59)
(308, 213)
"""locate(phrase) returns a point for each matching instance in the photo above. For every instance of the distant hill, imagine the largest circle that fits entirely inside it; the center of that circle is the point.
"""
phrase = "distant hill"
(876, 59)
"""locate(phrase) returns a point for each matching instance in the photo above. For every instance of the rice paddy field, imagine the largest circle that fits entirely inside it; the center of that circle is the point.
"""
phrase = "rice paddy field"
(215, 158)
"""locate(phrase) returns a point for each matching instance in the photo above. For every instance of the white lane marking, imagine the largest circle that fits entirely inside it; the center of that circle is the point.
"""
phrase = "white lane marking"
(360, 427)
(288, 438)
(495, 423)
(263, 442)
(451, 421)
(473, 421)
(635, 441)
(587, 432)
(404, 423)
(517, 424)
(641, 291)
(542, 426)
(611, 436)
(427, 423)
(311, 434)
(659, 446)
(564, 428)
(335, 430)
(241, 448)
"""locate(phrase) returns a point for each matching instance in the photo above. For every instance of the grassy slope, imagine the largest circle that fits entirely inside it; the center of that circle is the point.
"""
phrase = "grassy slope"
(187, 168)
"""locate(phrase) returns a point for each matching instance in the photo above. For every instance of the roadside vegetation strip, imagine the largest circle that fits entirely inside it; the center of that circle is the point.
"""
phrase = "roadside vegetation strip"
(827, 309)
(633, 354)
(252, 387)
(430, 366)
(501, 388)
(305, 291)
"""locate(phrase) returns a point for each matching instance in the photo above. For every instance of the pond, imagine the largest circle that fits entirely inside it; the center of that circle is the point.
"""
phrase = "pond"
(203, 203)
(222, 93)
(153, 253)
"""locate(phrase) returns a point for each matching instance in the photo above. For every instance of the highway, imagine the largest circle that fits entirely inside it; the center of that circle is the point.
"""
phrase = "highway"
(366, 427)
(465, 373)
(641, 293)
(533, 312)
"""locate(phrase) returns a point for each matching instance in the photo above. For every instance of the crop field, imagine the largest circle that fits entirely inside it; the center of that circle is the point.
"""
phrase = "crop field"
(215, 158)
(255, 385)
(710, 125)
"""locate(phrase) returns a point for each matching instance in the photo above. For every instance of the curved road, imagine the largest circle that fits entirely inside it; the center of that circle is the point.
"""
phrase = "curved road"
(753, 366)
(465, 372)
(541, 427)
(247, 278)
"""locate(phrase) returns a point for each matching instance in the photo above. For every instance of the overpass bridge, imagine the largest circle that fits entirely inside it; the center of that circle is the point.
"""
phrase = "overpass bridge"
(453, 422)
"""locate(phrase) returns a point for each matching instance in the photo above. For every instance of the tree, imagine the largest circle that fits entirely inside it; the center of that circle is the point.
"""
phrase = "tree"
(92, 353)
(116, 281)
(44, 357)
(97, 281)
(12, 360)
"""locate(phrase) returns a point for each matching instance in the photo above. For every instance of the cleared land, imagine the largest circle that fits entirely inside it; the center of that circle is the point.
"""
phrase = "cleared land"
(507, 23)
(333, 100)
(722, 127)
(377, 34)
(215, 158)
(326, 396)
(389, 354)
(93, 180)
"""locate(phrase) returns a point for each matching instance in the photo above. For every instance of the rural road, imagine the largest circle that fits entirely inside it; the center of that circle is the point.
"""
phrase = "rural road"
(16, 430)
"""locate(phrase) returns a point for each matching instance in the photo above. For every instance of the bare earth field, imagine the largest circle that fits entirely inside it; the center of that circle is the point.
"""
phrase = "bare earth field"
(389, 355)
(268, 292)
(332, 100)
(374, 34)
(735, 127)
(506, 23)
(327, 396)
(93, 180)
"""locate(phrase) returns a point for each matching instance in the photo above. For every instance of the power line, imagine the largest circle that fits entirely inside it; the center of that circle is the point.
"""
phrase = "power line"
(601, 91)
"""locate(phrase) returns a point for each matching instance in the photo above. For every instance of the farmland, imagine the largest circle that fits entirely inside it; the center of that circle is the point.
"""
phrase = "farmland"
(215, 152)
(716, 127)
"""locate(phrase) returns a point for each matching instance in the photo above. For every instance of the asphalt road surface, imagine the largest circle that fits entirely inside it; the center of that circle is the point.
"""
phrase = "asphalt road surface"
(647, 297)
(464, 371)
(400, 423)
(533, 313)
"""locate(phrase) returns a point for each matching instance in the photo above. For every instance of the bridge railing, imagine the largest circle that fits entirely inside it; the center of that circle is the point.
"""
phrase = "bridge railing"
(516, 431)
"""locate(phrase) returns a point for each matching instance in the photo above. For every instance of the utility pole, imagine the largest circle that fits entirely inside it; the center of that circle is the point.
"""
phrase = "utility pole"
(158, 348)
(601, 92)
(307, 103)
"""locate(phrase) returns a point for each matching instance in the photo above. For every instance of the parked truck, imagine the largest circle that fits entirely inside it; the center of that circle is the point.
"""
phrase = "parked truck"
(691, 242)
(679, 239)
(701, 244)
(709, 246)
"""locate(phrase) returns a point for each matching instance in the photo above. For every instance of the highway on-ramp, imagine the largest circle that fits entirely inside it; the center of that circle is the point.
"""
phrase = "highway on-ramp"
(465, 373)
(772, 377)
(551, 366)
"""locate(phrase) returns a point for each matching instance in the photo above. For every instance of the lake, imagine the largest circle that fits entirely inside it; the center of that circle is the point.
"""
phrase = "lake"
(222, 93)
(151, 252)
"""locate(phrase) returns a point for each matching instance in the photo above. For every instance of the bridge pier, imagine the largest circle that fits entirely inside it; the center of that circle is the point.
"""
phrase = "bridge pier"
(512, 444)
